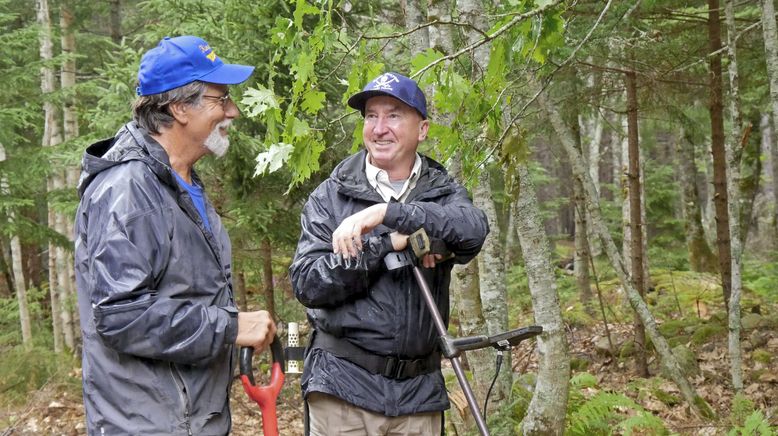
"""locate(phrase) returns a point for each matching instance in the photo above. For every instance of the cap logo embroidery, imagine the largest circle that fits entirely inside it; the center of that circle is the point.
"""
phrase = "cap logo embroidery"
(384, 82)
(206, 49)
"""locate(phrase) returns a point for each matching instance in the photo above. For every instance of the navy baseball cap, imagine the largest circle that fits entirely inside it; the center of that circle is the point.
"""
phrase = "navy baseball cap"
(181, 60)
(394, 85)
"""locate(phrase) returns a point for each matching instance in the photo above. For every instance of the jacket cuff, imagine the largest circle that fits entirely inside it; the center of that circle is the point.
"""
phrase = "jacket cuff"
(231, 330)
(392, 215)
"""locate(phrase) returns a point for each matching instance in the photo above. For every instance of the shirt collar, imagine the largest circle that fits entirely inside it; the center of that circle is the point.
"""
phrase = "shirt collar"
(379, 180)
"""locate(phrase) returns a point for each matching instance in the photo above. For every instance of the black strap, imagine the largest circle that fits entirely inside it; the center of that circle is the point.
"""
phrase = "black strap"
(387, 366)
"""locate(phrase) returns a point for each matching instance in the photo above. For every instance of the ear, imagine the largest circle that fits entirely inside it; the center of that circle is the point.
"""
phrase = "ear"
(424, 127)
(180, 111)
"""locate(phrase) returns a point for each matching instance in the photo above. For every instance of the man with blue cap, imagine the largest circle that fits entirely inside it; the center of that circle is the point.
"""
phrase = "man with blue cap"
(153, 260)
(373, 366)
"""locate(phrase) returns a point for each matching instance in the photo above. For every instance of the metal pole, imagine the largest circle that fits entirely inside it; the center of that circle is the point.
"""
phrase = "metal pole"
(441, 326)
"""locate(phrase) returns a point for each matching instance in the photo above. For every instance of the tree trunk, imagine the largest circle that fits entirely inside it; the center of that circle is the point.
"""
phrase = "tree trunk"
(116, 21)
(701, 257)
(240, 291)
(582, 231)
(414, 15)
(546, 412)
(636, 219)
(696, 402)
(770, 38)
(716, 109)
(733, 190)
(18, 271)
(267, 277)
(51, 137)
(493, 295)
(65, 222)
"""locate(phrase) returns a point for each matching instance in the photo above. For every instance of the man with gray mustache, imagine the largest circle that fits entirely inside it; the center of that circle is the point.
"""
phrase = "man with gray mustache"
(153, 260)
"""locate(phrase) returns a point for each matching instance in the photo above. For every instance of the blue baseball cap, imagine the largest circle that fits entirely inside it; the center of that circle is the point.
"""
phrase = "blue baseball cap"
(181, 60)
(394, 85)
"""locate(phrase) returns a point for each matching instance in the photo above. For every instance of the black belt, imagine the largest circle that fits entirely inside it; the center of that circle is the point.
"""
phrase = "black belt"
(387, 366)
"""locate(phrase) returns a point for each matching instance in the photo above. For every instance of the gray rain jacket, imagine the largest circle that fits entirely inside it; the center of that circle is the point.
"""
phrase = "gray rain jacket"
(378, 310)
(158, 318)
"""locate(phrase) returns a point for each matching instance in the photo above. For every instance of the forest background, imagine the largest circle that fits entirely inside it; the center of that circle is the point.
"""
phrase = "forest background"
(625, 153)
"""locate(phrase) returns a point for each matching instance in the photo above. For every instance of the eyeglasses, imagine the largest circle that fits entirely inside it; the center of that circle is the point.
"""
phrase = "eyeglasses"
(222, 99)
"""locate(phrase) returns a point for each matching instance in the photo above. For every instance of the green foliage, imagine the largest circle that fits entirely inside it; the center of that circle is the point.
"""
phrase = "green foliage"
(24, 371)
(595, 412)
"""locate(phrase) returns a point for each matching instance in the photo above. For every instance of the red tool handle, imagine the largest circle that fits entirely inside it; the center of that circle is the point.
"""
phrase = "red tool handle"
(265, 396)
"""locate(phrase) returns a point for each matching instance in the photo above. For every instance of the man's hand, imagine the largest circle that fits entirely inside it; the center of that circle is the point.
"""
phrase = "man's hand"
(400, 242)
(255, 329)
(347, 238)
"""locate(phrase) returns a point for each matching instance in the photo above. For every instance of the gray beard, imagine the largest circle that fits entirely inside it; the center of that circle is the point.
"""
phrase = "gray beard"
(217, 143)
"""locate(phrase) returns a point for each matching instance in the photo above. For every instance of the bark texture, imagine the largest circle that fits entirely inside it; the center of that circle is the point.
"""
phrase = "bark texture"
(716, 108)
(546, 412)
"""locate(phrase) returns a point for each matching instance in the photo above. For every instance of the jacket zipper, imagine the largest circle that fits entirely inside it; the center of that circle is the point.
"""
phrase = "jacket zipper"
(179, 381)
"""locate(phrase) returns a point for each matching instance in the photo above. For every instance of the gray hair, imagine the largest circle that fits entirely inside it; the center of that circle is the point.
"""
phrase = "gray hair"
(152, 111)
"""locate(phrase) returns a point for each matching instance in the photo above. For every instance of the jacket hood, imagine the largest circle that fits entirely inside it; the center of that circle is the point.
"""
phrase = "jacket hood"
(352, 180)
(130, 143)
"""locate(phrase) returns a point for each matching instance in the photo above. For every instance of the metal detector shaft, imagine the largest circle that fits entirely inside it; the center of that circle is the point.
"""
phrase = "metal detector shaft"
(441, 326)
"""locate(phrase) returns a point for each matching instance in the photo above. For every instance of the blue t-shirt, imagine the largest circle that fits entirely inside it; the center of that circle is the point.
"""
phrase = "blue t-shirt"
(196, 193)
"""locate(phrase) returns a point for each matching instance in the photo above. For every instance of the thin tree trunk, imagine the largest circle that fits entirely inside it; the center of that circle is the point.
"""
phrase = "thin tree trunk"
(716, 109)
(701, 257)
(697, 404)
(493, 295)
(546, 412)
(770, 38)
(18, 271)
(116, 21)
(636, 219)
(51, 137)
(492, 289)
(267, 277)
(582, 232)
(5, 265)
(240, 291)
(733, 190)
(70, 122)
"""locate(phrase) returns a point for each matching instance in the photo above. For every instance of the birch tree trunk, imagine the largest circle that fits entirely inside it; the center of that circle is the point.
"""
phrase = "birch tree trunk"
(718, 152)
(636, 219)
(51, 136)
(65, 223)
(733, 190)
(546, 412)
(494, 305)
(697, 404)
(770, 38)
(493, 293)
(701, 257)
(16, 265)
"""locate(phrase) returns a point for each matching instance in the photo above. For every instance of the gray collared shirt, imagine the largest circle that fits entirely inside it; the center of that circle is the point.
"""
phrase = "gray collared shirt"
(399, 189)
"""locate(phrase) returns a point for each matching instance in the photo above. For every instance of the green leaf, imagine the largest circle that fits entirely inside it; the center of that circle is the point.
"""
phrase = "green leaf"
(273, 159)
(300, 128)
(423, 59)
(301, 10)
(313, 101)
(258, 100)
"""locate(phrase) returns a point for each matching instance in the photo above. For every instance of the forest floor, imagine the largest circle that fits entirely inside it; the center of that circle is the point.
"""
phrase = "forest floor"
(58, 409)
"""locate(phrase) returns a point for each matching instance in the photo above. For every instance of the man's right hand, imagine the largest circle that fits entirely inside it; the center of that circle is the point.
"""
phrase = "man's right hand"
(400, 243)
(255, 329)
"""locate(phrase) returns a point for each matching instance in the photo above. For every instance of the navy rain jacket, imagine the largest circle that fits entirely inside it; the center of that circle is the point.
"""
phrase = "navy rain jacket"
(381, 311)
(155, 296)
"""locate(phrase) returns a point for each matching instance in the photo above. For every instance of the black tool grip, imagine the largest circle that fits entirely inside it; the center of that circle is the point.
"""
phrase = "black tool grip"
(247, 353)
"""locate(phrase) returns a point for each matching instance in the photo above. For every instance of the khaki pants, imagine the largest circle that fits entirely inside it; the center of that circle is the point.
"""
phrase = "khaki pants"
(330, 416)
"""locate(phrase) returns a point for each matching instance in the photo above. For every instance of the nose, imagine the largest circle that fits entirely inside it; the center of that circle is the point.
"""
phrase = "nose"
(231, 110)
(380, 126)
